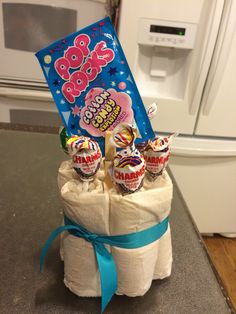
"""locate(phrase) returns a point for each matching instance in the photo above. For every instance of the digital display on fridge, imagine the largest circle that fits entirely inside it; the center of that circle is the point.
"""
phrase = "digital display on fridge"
(167, 30)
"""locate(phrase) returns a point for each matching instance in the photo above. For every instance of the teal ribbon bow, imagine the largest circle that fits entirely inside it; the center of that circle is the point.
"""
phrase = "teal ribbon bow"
(106, 263)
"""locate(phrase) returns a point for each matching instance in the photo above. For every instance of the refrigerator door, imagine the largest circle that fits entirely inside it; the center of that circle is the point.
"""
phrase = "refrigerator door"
(166, 69)
(218, 111)
(205, 172)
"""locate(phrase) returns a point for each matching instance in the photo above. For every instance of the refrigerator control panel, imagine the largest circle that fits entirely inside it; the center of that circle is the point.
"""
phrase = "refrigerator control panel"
(166, 33)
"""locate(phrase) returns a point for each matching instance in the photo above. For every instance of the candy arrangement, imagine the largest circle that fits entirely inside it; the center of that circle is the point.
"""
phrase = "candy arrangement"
(126, 223)
(129, 163)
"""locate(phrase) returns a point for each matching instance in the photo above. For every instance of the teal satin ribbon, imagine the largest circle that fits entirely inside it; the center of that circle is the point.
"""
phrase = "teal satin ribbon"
(106, 263)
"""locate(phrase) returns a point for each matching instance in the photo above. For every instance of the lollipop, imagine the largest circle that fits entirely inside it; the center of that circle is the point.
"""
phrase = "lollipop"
(157, 155)
(63, 139)
(129, 165)
(124, 135)
(151, 112)
(86, 156)
(141, 146)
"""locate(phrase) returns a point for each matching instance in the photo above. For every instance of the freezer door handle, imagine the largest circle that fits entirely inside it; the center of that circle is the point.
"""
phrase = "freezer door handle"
(206, 55)
(220, 58)
(25, 94)
(203, 148)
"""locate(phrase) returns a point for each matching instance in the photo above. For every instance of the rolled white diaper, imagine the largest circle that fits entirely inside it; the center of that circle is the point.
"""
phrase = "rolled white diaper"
(135, 212)
(86, 204)
(164, 257)
(65, 173)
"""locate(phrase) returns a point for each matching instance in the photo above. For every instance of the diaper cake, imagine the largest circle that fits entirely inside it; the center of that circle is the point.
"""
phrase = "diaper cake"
(115, 190)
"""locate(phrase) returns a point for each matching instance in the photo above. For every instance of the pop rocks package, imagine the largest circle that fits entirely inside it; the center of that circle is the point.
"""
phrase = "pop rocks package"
(92, 85)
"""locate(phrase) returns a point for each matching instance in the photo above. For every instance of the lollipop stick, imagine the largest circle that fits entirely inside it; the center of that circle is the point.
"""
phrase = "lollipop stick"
(109, 155)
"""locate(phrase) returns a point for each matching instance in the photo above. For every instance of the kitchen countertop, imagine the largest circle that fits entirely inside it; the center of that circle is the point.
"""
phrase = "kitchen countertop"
(30, 209)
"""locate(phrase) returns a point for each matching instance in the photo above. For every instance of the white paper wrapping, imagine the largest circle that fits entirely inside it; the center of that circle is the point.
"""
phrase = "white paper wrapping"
(111, 213)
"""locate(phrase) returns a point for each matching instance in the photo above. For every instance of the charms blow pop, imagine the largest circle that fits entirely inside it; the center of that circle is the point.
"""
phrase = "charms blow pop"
(151, 112)
(157, 155)
(129, 165)
(142, 146)
(86, 156)
(124, 135)
(63, 139)
(129, 170)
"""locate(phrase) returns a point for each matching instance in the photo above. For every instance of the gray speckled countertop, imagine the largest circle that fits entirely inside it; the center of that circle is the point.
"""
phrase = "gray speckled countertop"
(30, 209)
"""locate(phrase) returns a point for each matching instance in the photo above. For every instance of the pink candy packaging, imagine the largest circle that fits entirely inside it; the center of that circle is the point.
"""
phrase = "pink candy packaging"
(92, 85)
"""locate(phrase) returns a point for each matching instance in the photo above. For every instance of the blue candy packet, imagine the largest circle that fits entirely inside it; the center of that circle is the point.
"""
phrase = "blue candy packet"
(92, 85)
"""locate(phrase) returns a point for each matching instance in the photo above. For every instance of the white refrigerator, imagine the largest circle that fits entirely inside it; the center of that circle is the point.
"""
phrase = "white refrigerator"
(183, 56)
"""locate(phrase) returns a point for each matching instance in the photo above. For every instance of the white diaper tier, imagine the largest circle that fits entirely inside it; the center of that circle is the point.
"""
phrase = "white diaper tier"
(110, 213)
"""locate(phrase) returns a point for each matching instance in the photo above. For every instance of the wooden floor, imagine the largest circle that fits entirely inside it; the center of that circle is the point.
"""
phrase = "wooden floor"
(223, 254)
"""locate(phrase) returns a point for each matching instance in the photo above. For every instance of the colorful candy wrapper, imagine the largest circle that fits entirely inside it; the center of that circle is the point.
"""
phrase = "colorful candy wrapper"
(63, 139)
(151, 112)
(128, 170)
(141, 146)
(157, 155)
(124, 135)
(86, 156)
(92, 85)
(129, 165)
